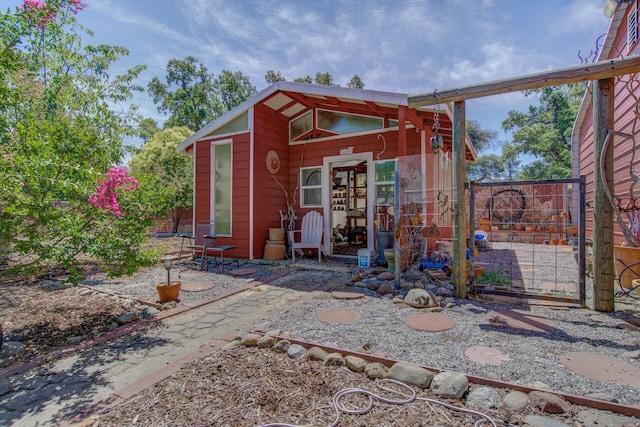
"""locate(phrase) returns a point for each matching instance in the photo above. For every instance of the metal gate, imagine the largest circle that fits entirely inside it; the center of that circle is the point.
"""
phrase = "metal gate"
(529, 237)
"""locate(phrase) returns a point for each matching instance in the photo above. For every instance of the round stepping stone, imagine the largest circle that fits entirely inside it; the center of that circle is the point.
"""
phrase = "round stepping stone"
(518, 320)
(339, 316)
(429, 322)
(486, 355)
(243, 271)
(602, 368)
(196, 286)
(347, 295)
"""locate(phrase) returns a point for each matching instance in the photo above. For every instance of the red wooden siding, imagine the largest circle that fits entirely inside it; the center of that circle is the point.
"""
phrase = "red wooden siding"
(623, 118)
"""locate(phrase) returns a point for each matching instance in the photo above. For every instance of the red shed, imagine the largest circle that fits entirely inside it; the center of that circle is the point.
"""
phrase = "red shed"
(328, 148)
(621, 41)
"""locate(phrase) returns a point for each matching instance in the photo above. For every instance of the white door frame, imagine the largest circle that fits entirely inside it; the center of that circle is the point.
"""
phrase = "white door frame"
(327, 186)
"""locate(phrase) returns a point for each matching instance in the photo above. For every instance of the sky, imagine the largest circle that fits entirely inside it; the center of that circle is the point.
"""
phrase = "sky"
(398, 46)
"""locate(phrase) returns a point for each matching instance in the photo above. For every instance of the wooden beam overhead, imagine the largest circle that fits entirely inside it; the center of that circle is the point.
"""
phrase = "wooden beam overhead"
(580, 73)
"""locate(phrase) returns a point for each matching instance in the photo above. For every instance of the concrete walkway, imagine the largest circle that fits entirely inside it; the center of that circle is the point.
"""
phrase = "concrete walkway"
(68, 390)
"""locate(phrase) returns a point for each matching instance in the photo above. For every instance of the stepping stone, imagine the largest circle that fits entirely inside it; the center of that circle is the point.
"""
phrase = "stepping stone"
(486, 355)
(339, 316)
(347, 295)
(429, 322)
(518, 320)
(602, 368)
(243, 271)
(196, 286)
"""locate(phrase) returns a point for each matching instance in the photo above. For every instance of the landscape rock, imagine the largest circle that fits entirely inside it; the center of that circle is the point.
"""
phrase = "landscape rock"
(626, 326)
(355, 363)
(230, 346)
(484, 398)
(296, 351)
(149, 311)
(376, 370)
(274, 332)
(11, 348)
(414, 275)
(75, 339)
(410, 374)
(127, 318)
(449, 385)
(317, 353)
(385, 289)
(549, 402)
(420, 298)
(169, 305)
(334, 359)
(85, 292)
(595, 418)
(281, 346)
(250, 340)
(540, 421)
(516, 400)
(386, 275)
(267, 341)
(602, 396)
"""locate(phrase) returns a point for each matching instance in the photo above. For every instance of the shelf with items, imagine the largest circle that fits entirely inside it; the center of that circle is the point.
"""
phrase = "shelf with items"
(339, 198)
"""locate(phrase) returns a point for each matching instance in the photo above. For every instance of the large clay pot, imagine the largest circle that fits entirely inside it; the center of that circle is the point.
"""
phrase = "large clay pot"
(275, 250)
(170, 292)
(630, 256)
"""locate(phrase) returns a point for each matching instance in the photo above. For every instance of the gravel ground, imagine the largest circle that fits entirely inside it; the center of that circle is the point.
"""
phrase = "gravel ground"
(533, 356)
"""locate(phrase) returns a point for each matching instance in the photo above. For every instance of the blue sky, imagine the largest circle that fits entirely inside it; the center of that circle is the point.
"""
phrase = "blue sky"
(399, 46)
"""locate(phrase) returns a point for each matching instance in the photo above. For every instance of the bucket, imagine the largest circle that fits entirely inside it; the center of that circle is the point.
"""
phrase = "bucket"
(276, 234)
(364, 258)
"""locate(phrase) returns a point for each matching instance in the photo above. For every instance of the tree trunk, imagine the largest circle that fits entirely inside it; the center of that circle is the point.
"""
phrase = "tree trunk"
(175, 219)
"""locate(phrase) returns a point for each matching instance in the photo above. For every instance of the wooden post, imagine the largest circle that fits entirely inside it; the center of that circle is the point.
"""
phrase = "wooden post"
(402, 131)
(603, 267)
(459, 201)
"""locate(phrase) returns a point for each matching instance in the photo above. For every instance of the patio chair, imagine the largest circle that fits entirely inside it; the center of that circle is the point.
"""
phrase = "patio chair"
(202, 246)
(310, 235)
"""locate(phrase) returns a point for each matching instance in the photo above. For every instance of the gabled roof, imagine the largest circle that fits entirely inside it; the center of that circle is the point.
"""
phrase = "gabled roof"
(292, 98)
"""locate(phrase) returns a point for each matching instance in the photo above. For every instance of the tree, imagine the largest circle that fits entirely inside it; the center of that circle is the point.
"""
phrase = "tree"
(544, 131)
(232, 89)
(356, 82)
(188, 95)
(306, 79)
(168, 171)
(324, 79)
(147, 127)
(480, 138)
(59, 135)
(489, 167)
(273, 76)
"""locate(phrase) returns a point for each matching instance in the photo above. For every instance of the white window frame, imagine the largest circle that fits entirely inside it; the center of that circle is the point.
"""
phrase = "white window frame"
(318, 110)
(213, 188)
(304, 187)
(380, 183)
(308, 113)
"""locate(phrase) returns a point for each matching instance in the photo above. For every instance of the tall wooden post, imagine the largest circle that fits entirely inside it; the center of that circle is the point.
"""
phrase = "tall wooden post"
(459, 201)
(603, 267)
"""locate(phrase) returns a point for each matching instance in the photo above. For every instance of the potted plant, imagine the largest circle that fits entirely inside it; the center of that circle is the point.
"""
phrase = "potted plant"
(384, 231)
(169, 291)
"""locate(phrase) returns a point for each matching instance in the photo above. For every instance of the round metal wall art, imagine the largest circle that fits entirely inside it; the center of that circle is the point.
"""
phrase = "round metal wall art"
(273, 162)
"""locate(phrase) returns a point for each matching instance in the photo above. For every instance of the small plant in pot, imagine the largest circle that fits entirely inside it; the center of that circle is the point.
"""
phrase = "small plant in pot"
(169, 291)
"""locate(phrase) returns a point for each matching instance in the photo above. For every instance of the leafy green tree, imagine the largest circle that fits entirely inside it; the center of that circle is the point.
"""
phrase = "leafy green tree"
(480, 138)
(59, 135)
(306, 79)
(356, 82)
(324, 79)
(488, 167)
(544, 131)
(273, 76)
(147, 127)
(188, 95)
(168, 171)
(232, 89)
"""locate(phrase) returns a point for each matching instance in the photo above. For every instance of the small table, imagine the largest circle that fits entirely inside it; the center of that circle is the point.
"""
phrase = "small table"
(219, 249)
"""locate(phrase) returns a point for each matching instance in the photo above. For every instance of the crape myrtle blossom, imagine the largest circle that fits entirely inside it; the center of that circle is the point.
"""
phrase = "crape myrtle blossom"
(106, 195)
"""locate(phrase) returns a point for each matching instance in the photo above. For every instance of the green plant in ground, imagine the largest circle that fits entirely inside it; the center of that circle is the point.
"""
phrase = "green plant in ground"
(59, 135)
(493, 277)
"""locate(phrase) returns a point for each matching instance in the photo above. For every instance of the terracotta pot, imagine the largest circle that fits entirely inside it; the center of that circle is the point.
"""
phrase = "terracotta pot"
(170, 292)
(275, 250)
(553, 242)
(630, 270)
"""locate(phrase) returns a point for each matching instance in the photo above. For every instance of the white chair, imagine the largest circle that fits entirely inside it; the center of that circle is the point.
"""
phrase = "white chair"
(310, 235)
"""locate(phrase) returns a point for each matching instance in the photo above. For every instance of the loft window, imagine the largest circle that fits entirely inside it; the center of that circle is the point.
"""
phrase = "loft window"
(344, 123)
(300, 125)
(311, 187)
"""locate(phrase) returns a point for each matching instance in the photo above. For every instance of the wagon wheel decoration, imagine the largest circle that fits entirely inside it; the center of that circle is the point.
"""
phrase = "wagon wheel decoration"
(507, 205)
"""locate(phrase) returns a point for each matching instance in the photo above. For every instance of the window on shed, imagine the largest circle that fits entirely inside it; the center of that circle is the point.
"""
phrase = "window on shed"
(632, 26)
(300, 125)
(385, 180)
(238, 124)
(344, 123)
(311, 187)
(221, 168)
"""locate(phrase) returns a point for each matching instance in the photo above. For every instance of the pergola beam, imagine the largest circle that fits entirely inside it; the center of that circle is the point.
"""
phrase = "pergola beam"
(580, 73)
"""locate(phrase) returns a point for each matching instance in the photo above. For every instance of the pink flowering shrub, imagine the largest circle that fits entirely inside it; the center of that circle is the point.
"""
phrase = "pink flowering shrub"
(40, 13)
(106, 195)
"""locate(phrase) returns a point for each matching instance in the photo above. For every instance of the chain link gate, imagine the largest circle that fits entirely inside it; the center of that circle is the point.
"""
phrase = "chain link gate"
(529, 237)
